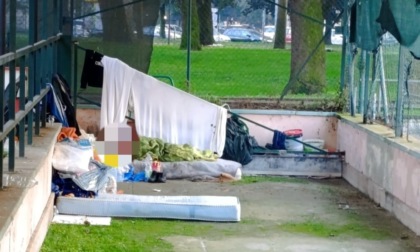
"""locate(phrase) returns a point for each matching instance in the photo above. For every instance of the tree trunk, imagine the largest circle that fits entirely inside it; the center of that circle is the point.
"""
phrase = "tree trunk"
(195, 29)
(115, 25)
(162, 32)
(281, 23)
(306, 35)
(328, 12)
(206, 22)
(147, 13)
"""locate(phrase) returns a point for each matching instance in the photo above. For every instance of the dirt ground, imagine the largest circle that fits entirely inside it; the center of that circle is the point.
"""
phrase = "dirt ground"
(291, 215)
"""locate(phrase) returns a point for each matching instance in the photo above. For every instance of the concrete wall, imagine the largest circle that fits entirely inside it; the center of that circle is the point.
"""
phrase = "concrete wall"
(385, 168)
(314, 125)
(25, 213)
(89, 118)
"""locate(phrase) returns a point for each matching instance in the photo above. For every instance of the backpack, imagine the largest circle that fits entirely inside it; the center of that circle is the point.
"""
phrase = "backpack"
(238, 145)
(62, 91)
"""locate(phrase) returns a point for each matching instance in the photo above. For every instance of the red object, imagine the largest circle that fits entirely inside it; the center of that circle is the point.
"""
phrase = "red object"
(294, 133)
(17, 103)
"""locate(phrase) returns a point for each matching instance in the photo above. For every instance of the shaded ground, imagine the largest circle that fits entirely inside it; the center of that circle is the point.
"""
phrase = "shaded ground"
(279, 214)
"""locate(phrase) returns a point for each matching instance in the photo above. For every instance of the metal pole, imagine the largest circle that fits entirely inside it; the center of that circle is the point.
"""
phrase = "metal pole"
(169, 22)
(22, 92)
(400, 93)
(344, 48)
(352, 93)
(2, 27)
(33, 36)
(12, 82)
(1, 120)
(44, 59)
(74, 86)
(366, 91)
(362, 68)
(384, 92)
(373, 96)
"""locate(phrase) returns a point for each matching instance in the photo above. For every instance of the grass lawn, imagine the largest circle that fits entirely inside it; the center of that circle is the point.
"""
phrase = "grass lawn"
(232, 70)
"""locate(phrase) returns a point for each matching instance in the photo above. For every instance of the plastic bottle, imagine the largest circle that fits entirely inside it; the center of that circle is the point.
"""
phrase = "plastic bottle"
(148, 167)
(18, 180)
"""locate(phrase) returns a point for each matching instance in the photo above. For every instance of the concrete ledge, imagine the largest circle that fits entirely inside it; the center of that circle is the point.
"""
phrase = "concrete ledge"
(41, 230)
(385, 168)
(282, 112)
(313, 165)
(386, 135)
(22, 209)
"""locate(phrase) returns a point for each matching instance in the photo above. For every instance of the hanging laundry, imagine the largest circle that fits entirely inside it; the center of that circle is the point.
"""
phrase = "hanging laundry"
(160, 110)
(92, 73)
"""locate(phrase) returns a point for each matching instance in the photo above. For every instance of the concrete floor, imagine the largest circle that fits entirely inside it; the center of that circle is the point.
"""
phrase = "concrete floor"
(266, 206)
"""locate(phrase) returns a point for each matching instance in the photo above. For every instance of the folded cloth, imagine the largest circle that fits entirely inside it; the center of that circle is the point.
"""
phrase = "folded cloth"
(67, 132)
(71, 133)
(279, 139)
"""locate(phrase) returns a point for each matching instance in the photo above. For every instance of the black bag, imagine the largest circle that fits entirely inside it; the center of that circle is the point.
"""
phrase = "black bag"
(238, 145)
(62, 90)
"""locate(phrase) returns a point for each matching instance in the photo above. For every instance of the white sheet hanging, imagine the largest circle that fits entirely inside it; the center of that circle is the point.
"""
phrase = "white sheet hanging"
(160, 110)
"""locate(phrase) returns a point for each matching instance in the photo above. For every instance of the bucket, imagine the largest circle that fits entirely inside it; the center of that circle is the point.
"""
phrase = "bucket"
(292, 145)
(318, 143)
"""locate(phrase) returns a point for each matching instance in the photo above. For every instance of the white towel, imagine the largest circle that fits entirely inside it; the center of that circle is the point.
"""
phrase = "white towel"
(160, 110)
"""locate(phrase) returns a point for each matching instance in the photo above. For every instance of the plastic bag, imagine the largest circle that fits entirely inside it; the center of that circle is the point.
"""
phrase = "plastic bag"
(72, 156)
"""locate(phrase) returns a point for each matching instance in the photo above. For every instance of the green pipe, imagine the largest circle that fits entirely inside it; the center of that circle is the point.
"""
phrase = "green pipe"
(171, 81)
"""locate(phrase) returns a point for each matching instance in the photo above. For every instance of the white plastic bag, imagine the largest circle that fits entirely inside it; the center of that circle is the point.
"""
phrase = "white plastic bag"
(72, 156)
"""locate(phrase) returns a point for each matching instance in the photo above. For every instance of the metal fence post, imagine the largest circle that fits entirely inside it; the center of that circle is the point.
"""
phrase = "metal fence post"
(345, 29)
(12, 83)
(400, 92)
(362, 69)
(384, 92)
(366, 86)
